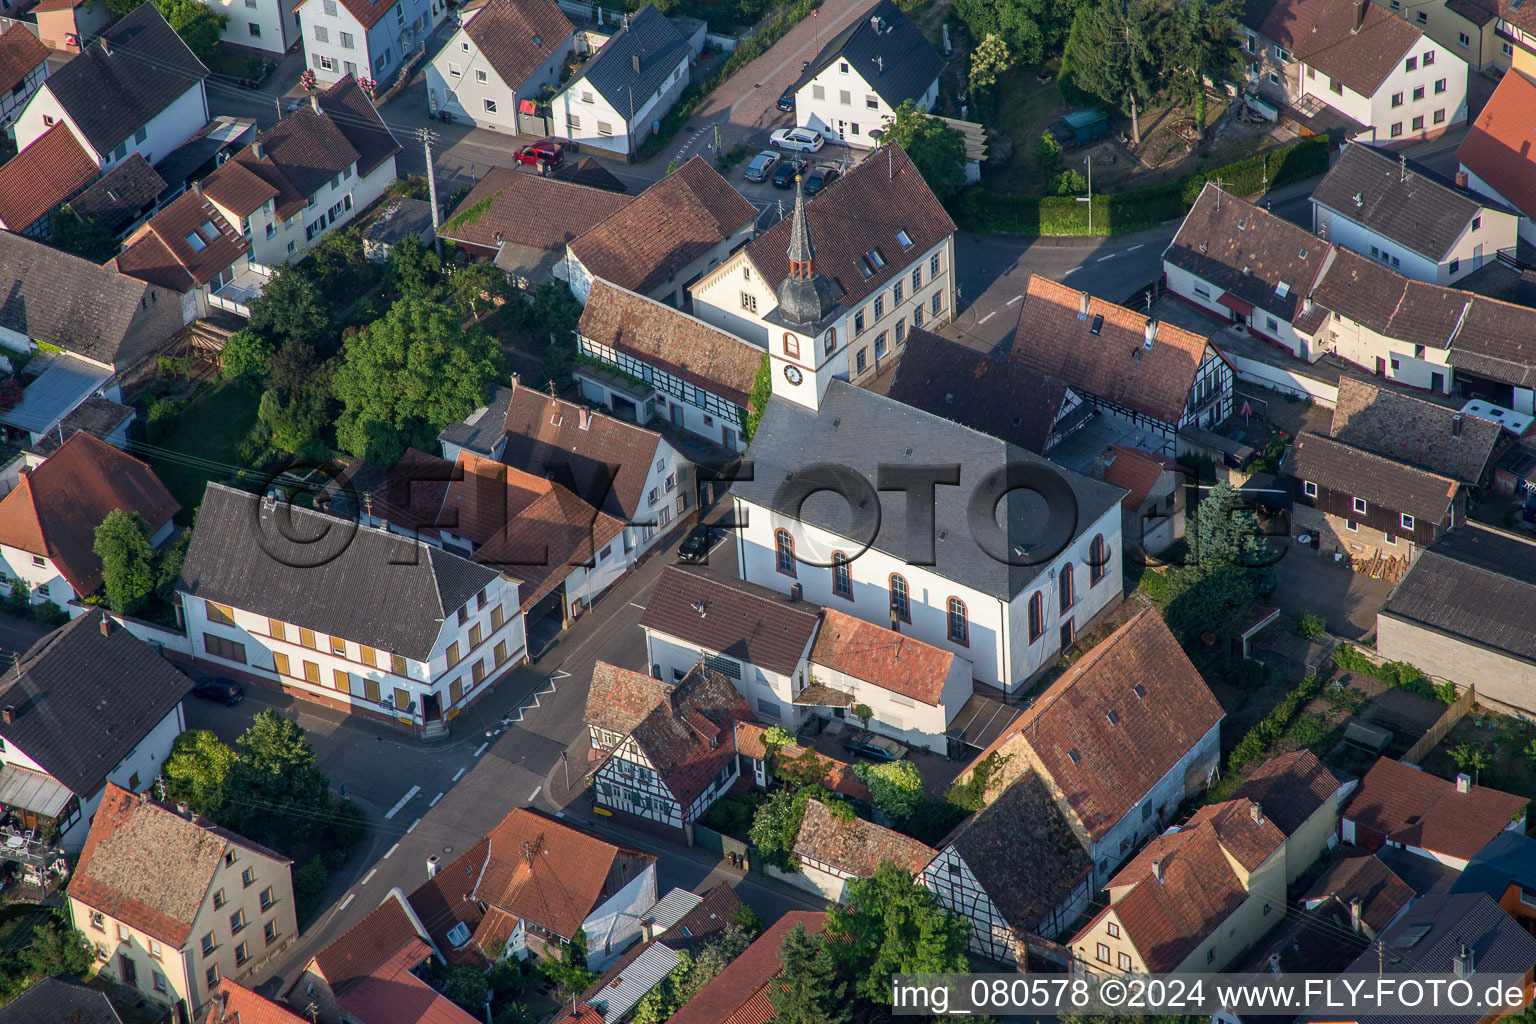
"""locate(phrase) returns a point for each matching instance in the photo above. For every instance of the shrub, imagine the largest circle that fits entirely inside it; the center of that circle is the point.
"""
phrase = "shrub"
(1309, 626)
(161, 419)
(348, 824)
(1258, 740)
(309, 888)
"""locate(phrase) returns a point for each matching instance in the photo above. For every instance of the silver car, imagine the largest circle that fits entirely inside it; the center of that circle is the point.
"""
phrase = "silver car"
(798, 140)
(762, 165)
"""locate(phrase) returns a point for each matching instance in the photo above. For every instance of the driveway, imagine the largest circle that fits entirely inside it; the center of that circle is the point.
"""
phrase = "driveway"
(1309, 582)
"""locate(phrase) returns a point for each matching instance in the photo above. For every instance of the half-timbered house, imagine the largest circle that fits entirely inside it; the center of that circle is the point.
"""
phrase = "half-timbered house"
(834, 851)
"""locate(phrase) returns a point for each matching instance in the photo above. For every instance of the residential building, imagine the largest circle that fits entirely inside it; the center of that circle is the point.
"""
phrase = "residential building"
(1516, 34)
(1494, 156)
(202, 154)
(380, 626)
(1505, 871)
(670, 366)
(1400, 213)
(174, 904)
(1008, 600)
(70, 26)
(1459, 615)
(523, 222)
(359, 39)
(23, 66)
(236, 1004)
(834, 851)
(1150, 378)
(1192, 900)
(1365, 505)
(1470, 28)
(623, 470)
(635, 77)
(1015, 870)
(1301, 797)
(1406, 808)
(832, 290)
(1370, 895)
(189, 249)
(1422, 434)
(669, 748)
(312, 172)
(852, 88)
(269, 26)
(61, 997)
(1120, 740)
(1490, 358)
(34, 183)
(124, 197)
(531, 883)
(112, 711)
(505, 53)
(1153, 507)
(48, 522)
(156, 85)
(740, 992)
(839, 777)
(680, 228)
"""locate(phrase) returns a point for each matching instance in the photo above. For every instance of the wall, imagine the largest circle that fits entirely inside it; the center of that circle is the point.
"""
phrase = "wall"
(1152, 811)
(1451, 104)
(1448, 28)
(44, 581)
(1527, 226)
(592, 110)
(768, 694)
(464, 96)
(1307, 845)
(717, 428)
(905, 718)
(1189, 287)
(290, 239)
(376, 53)
(1414, 365)
(269, 25)
(1498, 676)
(12, 103)
(840, 104)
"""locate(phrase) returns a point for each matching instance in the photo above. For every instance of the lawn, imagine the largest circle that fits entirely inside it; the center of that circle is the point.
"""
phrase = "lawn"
(207, 439)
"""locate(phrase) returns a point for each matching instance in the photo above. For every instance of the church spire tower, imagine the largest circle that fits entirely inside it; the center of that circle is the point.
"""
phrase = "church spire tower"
(805, 297)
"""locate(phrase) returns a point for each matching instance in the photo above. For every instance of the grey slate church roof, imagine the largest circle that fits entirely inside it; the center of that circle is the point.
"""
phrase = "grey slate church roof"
(862, 431)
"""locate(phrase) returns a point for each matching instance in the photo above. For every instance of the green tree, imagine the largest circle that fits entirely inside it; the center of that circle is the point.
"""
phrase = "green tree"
(291, 308)
(1194, 40)
(172, 557)
(337, 264)
(804, 769)
(127, 560)
(1108, 55)
(405, 377)
(757, 401)
(85, 238)
(296, 407)
(197, 770)
(467, 987)
(809, 990)
(413, 271)
(1470, 757)
(1216, 601)
(57, 948)
(247, 357)
(1227, 531)
(1032, 30)
(893, 924)
(775, 826)
(660, 1003)
(568, 973)
(275, 791)
(479, 287)
(1070, 182)
(937, 150)
(895, 786)
(988, 61)
(712, 958)
(555, 312)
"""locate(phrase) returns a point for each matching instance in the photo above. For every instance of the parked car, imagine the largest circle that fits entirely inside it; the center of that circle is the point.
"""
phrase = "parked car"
(789, 169)
(225, 691)
(545, 151)
(875, 747)
(819, 178)
(798, 140)
(787, 102)
(762, 165)
(696, 545)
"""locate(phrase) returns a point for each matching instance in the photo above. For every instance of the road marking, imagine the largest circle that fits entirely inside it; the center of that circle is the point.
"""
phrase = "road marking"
(984, 319)
(1135, 247)
(1074, 270)
(403, 801)
(369, 875)
(457, 774)
(482, 748)
(1011, 301)
(392, 849)
(1101, 259)
(413, 825)
(535, 794)
(435, 800)
(560, 674)
(346, 901)
(640, 606)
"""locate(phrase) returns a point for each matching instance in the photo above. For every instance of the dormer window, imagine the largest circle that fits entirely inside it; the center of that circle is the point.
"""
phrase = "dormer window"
(1309, 489)
(1358, 504)
(904, 239)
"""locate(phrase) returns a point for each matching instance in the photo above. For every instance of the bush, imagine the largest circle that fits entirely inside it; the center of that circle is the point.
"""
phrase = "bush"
(161, 419)
(309, 888)
(1309, 626)
(1264, 735)
(1394, 673)
(348, 824)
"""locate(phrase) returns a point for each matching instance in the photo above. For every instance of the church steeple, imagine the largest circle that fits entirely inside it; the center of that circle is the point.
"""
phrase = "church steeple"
(805, 297)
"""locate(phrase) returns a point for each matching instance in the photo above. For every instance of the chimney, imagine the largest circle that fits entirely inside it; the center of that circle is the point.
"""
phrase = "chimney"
(314, 104)
(1461, 179)
(106, 46)
(223, 1005)
(1456, 425)
(1359, 16)
(9, 714)
(586, 419)
(1082, 306)
(1462, 964)
(517, 379)
(1402, 167)
(1150, 333)
(197, 188)
(1257, 812)
(796, 593)
(258, 151)
(1463, 783)
(1157, 870)
(106, 625)
(634, 62)
(1354, 915)
(184, 809)
(1101, 462)
(432, 863)
(895, 620)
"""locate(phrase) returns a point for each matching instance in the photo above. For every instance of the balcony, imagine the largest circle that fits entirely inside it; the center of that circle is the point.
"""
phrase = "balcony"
(236, 296)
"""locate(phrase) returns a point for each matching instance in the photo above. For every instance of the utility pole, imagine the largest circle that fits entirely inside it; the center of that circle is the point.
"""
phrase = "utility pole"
(1089, 200)
(277, 101)
(1130, 59)
(427, 137)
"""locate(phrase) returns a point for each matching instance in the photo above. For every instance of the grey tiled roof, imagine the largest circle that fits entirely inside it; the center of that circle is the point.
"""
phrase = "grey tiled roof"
(366, 585)
(120, 196)
(897, 60)
(1423, 434)
(740, 620)
(60, 998)
(861, 430)
(652, 37)
(53, 297)
(484, 428)
(1383, 482)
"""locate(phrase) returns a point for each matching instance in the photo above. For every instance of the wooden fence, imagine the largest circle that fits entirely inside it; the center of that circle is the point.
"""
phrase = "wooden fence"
(1443, 725)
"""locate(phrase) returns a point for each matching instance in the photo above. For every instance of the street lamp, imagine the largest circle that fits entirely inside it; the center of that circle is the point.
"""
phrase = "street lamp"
(1089, 198)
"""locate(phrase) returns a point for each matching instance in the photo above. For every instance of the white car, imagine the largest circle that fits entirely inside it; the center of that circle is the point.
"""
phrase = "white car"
(798, 140)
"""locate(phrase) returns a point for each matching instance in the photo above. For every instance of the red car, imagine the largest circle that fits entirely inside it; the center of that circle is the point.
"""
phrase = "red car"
(547, 151)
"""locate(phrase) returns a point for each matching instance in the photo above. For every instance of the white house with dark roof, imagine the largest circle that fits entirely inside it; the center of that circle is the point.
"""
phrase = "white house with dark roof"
(270, 25)
(155, 84)
(365, 39)
(854, 85)
(504, 53)
(363, 620)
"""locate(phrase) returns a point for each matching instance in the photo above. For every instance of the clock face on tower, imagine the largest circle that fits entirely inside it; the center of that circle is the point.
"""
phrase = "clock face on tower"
(792, 374)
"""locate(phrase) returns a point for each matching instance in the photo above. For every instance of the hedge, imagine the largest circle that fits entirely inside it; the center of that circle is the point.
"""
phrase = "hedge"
(1258, 740)
(1118, 212)
(1394, 673)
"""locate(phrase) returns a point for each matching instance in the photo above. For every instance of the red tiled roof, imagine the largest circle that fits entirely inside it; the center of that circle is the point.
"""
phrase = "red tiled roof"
(1499, 147)
(236, 1004)
(392, 993)
(529, 210)
(20, 54)
(367, 945)
(1135, 470)
(49, 172)
(689, 735)
(619, 699)
(1416, 808)
(739, 994)
(1290, 788)
(881, 657)
(546, 540)
(1378, 888)
(367, 12)
(856, 845)
(183, 246)
(517, 36)
(1246, 833)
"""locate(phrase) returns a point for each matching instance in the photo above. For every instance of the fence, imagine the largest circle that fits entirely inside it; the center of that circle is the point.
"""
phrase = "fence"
(1443, 725)
(708, 839)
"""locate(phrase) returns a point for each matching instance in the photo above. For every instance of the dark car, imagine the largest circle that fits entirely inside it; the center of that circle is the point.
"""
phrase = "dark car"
(819, 178)
(787, 103)
(546, 151)
(225, 691)
(788, 171)
(875, 747)
(696, 545)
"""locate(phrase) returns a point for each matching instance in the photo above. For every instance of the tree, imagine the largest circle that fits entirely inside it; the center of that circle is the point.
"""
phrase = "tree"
(247, 357)
(1194, 40)
(57, 948)
(1470, 757)
(808, 990)
(937, 150)
(337, 263)
(198, 25)
(81, 236)
(480, 287)
(988, 61)
(1032, 30)
(1227, 531)
(660, 1003)
(172, 558)
(1107, 55)
(892, 924)
(895, 786)
(804, 769)
(569, 973)
(1216, 601)
(275, 790)
(775, 826)
(712, 958)
(468, 988)
(196, 771)
(555, 312)
(757, 400)
(863, 712)
(405, 377)
(291, 308)
(127, 560)
(412, 271)
(296, 407)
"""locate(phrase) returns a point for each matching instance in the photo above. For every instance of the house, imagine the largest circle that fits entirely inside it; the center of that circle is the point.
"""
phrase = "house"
(359, 39)
(105, 419)
(1430, 437)
(1369, 894)
(670, 366)
(89, 707)
(623, 470)
(34, 183)
(190, 250)
(680, 228)
(832, 851)
(530, 884)
(60, 997)
(635, 77)
(1015, 870)
(669, 748)
(1364, 505)
(1403, 807)
(758, 761)
(1120, 740)
(1007, 602)
(48, 522)
(1460, 615)
(23, 66)
(525, 221)
(1494, 156)
(740, 992)
(504, 54)
(853, 86)
(1471, 28)
(235, 1004)
(381, 626)
(174, 904)
(158, 97)
(70, 26)
(1150, 378)
(312, 172)
(832, 290)
(1505, 870)
(1358, 58)
(270, 27)
(123, 198)
(366, 976)
(1153, 505)
(1301, 797)
(994, 396)
(1490, 359)
(1404, 215)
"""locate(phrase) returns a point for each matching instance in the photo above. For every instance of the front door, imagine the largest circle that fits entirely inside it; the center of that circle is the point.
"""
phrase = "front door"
(431, 707)
(130, 971)
(1381, 366)
(1477, 255)
(1066, 634)
(677, 415)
